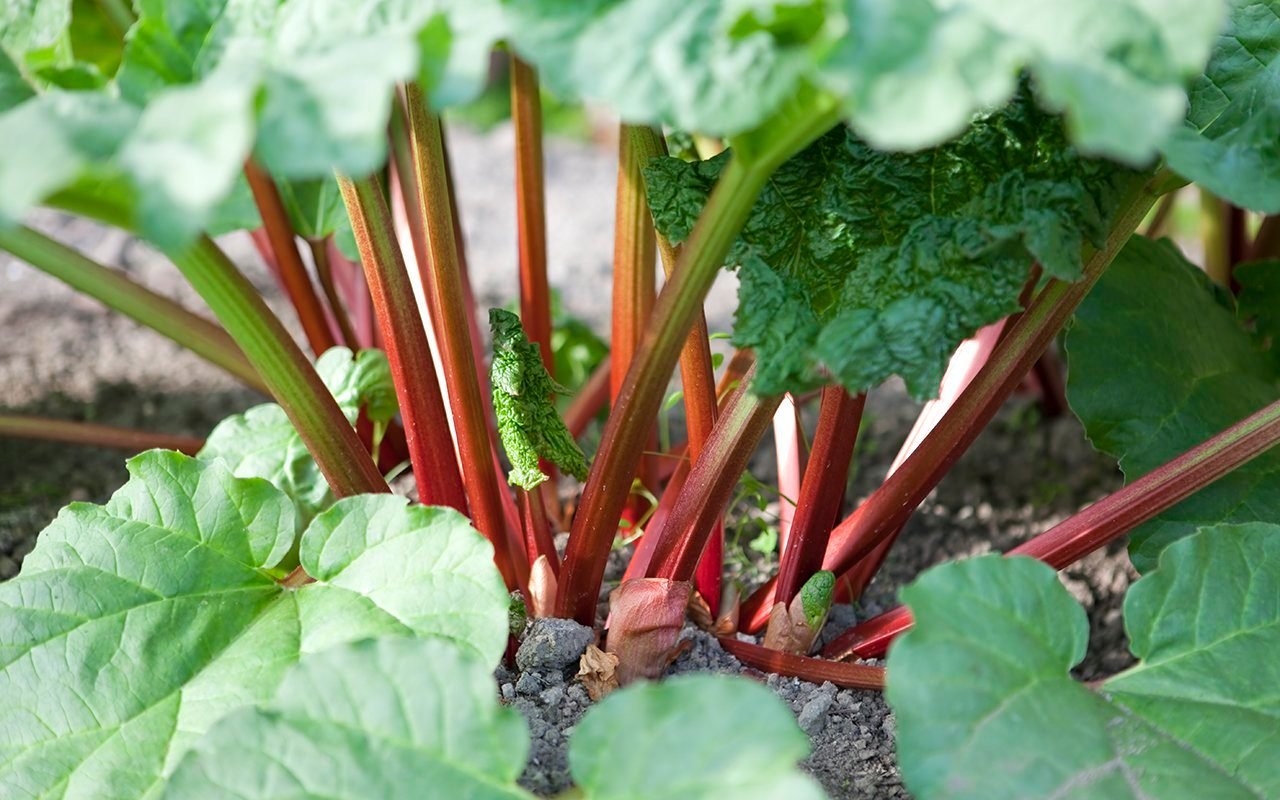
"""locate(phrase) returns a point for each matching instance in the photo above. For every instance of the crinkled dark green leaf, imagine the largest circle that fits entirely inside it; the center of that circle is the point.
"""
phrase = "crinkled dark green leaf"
(986, 708)
(523, 392)
(136, 625)
(913, 72)
(1231, 140)
(711, 66)
(1159, 363)
(867, 264)
(696, 737)
(393, 719)
(262, 442)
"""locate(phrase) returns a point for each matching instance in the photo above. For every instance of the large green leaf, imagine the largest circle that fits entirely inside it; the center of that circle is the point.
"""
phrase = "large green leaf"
(135, 625)
(692, 737)
(1231, 140)
(708, 65)
(913, 72)
(868, 264)
(262, 442)
(394, 718)
(390, 719)
(27, 25)
(986, 708)
(1159, 363)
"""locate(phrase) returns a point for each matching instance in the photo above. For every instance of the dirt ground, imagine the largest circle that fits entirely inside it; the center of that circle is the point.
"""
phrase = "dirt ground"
(62, 355)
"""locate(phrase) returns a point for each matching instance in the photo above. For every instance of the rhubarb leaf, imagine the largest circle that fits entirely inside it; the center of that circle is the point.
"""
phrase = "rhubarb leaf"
(13, 88)
(713, 736)
(867, 264)
(1258, 303)
(395, 719)
(135, 625)
(716, 67)
(27, 25)
(1116, 68)
(1159, 363)
(982, 694)
(523, 402)
(262, 442)
(1231, 141)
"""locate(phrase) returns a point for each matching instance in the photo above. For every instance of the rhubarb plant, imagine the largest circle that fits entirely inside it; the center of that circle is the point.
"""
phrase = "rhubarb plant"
(922, 189)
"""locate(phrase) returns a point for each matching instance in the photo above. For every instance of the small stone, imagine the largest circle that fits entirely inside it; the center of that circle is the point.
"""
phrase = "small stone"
(529, 684)
(813, 717)
(553, 644)
(553, 696)
(508, 692)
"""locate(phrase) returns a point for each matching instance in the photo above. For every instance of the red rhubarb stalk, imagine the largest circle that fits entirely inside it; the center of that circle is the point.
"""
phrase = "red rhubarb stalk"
(822, 489)
(711, 481)
(814, 670)
(1108, 519)
(292, 272)
(531, 214)
(89, 433)
(447, 303)
(435, 470)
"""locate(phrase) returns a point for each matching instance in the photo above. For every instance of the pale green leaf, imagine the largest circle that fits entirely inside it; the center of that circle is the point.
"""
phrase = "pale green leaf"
(134, 626)
(1231, 141)
(986, 708)
(262, 442)
(914, 72)
(696, 737)
(393, 719)
(1159, 363)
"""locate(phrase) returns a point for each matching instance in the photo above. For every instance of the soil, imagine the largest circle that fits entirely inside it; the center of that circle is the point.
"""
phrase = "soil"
(64, 356)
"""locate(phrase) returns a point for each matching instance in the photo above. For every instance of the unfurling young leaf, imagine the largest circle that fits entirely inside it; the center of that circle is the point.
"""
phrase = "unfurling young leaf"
(135, 625)
(1195, 371)
(528, 424)
(262, 442)
(986, 708)
(865, 264)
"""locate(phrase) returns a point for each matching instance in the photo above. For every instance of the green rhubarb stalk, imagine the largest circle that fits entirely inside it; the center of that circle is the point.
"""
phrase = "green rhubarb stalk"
(756, 157)
(114, 290)
(435, 469)
(292, 379)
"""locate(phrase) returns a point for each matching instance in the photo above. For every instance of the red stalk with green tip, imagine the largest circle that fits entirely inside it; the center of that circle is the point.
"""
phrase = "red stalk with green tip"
(118, 292)
(1108, 519)
(94, 435)
(822, 490)
(814, 670)
(435, 469)
(673, 316)
(293, 273)
(447, 304)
